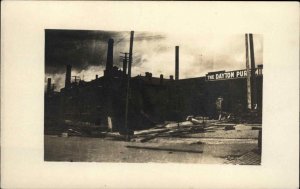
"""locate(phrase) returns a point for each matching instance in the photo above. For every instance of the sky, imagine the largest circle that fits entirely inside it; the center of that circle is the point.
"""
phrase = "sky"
(153, 52)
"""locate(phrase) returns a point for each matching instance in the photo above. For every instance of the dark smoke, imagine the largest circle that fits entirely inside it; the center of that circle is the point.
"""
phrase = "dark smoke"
(86, 51)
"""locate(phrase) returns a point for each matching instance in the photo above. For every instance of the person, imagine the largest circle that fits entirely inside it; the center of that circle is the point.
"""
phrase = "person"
(219, 102)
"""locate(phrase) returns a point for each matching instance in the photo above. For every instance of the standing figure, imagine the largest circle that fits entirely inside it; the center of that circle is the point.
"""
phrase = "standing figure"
(219, 102)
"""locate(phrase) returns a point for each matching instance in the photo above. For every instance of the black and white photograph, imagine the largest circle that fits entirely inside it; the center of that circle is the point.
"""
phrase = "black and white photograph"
(149, 94)
(131, 96)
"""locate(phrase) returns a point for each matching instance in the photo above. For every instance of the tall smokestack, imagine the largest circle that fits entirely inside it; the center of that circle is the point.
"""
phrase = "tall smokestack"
(253, 78)
(68, 76)
(49, 85)
(110, 56)
(176, 62)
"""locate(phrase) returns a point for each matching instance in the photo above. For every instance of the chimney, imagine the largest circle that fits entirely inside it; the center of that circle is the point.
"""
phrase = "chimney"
(171, 77)
(49, 85)
(176, 62)
(161, 79)
(148, 75)
(259, 69)
(96, 76)
(109, 60)
(68, 76)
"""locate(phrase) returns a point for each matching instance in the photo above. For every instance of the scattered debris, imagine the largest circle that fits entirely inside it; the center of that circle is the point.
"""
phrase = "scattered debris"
(201, 118)
(64, 134)
(198, 142)
(150, 131)
(194, 121)
(73, 132)
(251, 117)
(180, 124)
(242, 127)
(192, 127)
(229, 127)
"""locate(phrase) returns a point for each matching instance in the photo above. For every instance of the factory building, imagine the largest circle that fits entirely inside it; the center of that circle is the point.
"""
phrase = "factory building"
(100, 103)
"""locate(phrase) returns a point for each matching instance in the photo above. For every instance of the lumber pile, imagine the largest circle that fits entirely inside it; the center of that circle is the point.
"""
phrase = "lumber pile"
(192, 126)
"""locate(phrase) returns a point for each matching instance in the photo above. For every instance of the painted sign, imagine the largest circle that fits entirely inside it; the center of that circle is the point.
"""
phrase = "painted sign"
(212, 76)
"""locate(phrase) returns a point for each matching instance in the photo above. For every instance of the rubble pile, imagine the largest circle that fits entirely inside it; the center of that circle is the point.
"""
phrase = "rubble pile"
(248, 117)
(193, 126)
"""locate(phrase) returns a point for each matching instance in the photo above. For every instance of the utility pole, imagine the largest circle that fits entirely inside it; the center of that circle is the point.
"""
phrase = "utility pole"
(75, 78)
(128, 82)
(125, 60)
(49, 86)
(253, 77)
(248, 74)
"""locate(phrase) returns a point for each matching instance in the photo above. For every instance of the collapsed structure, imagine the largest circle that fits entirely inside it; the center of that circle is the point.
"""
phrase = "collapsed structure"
(101, 103)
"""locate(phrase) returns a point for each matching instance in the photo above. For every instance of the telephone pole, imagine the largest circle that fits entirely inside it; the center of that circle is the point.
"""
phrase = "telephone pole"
(125, 60)
(249, 103)
(253, 77)
(128, 82)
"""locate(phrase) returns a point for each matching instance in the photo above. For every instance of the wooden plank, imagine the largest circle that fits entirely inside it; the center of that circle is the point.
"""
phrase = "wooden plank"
(164, 149)
(150, 131)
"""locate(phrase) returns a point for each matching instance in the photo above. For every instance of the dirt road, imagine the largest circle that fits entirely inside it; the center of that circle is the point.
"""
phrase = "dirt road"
(84, 149)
